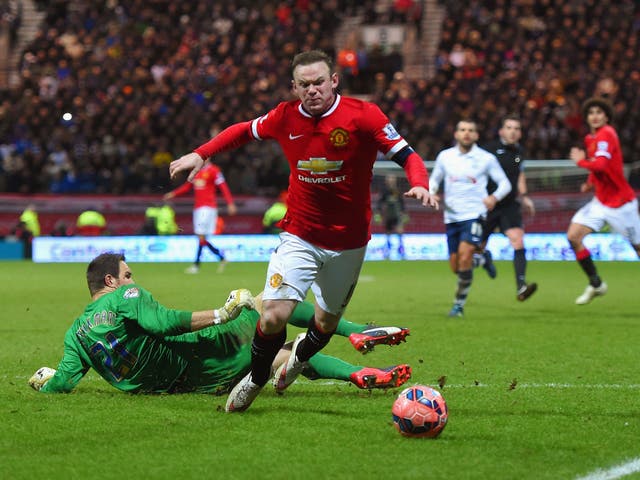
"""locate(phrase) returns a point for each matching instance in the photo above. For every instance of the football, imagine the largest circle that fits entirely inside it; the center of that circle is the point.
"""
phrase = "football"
(420, 411)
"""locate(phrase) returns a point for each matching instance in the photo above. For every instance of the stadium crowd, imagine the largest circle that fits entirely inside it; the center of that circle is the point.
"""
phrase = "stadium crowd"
(111, 91)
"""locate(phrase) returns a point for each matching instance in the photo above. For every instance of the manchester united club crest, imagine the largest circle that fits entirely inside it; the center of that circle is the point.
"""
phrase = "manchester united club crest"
(339, 137)
(275, 280)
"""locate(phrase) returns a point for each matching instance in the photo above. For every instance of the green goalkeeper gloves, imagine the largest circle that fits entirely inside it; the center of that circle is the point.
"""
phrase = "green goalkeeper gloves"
(42, 376)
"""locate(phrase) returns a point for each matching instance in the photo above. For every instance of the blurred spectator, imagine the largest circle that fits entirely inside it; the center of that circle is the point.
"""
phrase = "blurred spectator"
(30, 219)
(61, 229)
(159, 220)
(108, 93)
(347, 64)
(390, 212)
(91, 223)
(11, 19)
(273, 215)
(21, 233)
(166, 221)
(150, 225)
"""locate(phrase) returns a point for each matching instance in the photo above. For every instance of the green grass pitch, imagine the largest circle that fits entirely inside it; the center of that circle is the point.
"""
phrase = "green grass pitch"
(542, 389)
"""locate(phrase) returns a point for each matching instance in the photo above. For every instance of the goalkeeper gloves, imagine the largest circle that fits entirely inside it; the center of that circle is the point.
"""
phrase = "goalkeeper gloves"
(237, 300)
(41, 377)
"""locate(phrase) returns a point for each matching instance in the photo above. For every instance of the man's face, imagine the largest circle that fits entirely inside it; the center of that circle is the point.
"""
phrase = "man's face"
(125, 277)
(596, 118)
(466, 134)
(510, 132)
(314, 85)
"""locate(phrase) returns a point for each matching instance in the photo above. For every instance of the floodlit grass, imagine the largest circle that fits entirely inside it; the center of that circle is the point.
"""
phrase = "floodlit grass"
(542, 389)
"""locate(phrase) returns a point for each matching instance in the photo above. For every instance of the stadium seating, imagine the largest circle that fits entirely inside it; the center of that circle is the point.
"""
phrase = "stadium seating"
(111, 91)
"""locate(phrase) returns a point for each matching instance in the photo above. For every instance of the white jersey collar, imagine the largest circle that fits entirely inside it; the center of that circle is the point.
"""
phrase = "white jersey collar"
(325, 114)
(470, 152)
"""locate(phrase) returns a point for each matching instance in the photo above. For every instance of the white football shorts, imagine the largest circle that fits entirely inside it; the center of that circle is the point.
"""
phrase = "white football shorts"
(624, 220)
(204, 220)
(297, 266)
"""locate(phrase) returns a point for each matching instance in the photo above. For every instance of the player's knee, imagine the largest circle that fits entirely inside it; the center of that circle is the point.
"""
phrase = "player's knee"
(274, 317)
(327, 322)
(271, 323)
(574, 236)
(517, 243)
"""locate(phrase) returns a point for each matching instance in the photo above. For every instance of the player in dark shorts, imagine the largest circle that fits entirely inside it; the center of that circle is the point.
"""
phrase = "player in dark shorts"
(507, 215)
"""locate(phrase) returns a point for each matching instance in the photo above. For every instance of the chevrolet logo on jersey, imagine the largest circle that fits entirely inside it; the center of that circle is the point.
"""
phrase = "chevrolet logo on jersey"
(319, 165)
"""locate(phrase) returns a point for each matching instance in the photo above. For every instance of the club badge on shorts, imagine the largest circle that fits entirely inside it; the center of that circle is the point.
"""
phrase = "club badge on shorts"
(275, 280)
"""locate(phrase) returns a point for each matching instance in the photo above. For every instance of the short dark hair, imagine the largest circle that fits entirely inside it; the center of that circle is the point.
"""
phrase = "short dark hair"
(599, 102)
(512, 116)
(104, 264)
(311, 56)
(467, 120)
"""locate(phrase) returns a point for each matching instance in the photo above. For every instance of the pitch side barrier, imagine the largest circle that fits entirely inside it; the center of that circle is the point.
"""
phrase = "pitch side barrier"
(258, 248)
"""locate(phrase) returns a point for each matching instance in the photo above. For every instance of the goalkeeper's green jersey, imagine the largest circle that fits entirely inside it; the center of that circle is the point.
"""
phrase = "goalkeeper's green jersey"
(138, 345)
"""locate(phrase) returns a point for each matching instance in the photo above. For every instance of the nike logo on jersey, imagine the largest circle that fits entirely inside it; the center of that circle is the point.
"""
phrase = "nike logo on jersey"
(293, 137)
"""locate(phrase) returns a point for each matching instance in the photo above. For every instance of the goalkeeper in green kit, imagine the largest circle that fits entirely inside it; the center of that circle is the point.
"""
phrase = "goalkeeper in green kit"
(140, 346)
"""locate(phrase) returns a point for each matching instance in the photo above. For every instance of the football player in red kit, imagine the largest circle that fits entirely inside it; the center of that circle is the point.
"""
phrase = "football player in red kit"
(614, 203)
(331, 143)
(205, 185)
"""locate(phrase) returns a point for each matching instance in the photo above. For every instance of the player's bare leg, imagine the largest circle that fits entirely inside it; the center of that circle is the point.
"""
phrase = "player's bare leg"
(596, 287)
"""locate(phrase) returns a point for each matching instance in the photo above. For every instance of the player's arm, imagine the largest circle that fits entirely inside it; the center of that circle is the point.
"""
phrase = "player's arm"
(70, 371)
(230, 138)
(226, 193)
(162, 321)
(523, 191)
(398, 150)
(186, 187)
(503, 184)
(417, 175)
(597, 163)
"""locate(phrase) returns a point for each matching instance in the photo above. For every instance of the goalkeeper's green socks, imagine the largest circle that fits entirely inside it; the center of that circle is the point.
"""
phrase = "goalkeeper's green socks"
(325, 366)
(304, 312)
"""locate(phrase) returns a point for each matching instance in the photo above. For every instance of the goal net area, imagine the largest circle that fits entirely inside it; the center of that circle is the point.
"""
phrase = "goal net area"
(554, 187)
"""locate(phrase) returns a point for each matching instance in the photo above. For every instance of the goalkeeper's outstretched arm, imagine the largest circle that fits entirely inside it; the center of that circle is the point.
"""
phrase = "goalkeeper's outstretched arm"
(64, 379)
(237, 300)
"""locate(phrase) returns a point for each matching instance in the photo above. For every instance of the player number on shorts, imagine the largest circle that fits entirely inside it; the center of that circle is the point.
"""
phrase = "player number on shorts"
(476, 229)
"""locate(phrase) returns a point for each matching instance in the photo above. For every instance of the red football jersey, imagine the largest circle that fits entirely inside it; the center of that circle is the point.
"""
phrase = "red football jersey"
(331, 163)
(205, 185)
(605, 164)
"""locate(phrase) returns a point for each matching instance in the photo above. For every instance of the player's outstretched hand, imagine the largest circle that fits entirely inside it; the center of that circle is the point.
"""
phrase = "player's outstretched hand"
(42, 376)
(424, 196)
(237, 300)
(191, 161)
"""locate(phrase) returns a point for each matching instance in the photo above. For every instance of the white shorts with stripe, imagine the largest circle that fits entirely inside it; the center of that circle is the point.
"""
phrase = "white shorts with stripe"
(624, 220)
(297, 266)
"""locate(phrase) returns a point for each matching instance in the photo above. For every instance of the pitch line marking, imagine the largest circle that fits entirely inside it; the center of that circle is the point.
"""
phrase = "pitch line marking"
(618, 471)
(591, 386)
